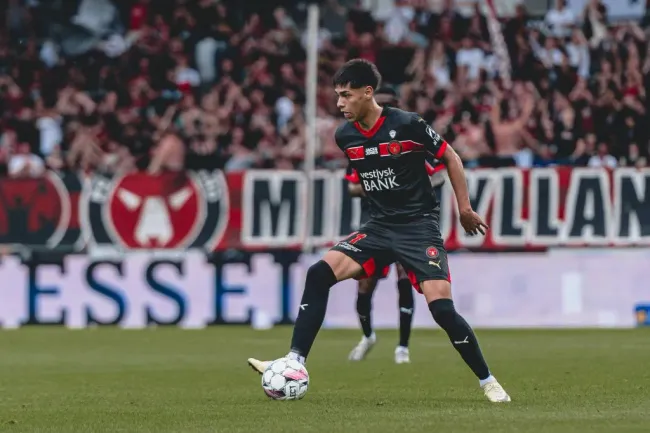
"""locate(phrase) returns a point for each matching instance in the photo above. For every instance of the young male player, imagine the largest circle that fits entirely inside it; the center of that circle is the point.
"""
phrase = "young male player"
(385, 97)
(386, 146)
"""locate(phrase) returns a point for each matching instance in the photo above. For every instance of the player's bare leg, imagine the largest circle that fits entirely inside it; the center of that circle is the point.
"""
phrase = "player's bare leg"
(321, 276)
(364, 305)
(406, 308)
(438, 296)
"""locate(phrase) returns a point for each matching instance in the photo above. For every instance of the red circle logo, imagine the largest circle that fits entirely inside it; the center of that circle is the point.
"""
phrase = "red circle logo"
(395, 148)
(156, 212)
(432, 252)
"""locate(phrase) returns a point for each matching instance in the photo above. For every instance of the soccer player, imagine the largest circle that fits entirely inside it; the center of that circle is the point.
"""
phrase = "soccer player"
(386, 97)
(386, 146)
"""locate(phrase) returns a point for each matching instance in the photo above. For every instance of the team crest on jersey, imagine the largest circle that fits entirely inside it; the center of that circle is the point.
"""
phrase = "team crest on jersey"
(171, 211)
(395, 148)
(432, 252)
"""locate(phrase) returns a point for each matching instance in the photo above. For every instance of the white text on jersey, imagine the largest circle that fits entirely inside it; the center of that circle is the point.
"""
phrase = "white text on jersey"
(378, 180)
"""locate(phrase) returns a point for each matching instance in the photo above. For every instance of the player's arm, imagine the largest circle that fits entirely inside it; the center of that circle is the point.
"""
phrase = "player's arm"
(438, 147)
(470, 220)
(354, 185)
(355, 190)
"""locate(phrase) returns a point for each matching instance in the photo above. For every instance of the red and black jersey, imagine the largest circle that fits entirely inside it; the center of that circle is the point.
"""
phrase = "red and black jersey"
(389, 161)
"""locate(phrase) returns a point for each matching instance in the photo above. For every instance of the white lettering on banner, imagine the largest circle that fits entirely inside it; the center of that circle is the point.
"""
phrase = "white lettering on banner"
(631, 206)
(525, 208)
(141, 291)
(14, 305)
(327, 203)
(273, 205)
(588, 210)
(543, 207)
(508, 226)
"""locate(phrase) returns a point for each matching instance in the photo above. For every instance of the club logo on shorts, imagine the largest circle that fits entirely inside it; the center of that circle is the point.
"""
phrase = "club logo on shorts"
(395, 148)
(432, 252)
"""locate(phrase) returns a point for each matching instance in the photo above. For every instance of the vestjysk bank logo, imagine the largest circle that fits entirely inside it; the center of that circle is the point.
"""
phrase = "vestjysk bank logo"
(378, 180)
(169, 211)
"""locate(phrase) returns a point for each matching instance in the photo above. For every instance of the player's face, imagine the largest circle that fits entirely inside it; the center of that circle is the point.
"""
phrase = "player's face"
(353, 103)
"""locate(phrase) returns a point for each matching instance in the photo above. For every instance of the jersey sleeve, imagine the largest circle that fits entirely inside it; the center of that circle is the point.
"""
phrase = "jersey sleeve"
(432, 141)
(433, 165)
(351, 175)
(338, 137)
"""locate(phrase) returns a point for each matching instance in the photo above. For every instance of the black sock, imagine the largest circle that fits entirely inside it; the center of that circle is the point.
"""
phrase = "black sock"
(364, 301)
(313, 305)
(405, 311)
(460, 334)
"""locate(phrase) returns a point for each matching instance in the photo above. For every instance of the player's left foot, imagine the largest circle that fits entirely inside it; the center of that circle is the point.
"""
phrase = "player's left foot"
(495, 392)
(257, 365)
(402, 355)
(361, 350)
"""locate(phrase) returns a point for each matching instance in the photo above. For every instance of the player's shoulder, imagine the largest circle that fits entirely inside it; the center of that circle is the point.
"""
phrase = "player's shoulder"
(345, 131)
(402, 116)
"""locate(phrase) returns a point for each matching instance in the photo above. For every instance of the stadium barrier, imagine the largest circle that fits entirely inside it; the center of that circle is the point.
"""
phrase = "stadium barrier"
(260, 210)
(558, 288)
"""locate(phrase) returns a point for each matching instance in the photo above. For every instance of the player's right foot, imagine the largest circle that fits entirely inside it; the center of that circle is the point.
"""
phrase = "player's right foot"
(402, 355)
(257, 365)
(495, 392)
(362, 349)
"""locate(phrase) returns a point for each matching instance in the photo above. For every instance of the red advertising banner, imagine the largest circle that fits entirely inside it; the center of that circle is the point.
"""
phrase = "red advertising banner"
(262, 209)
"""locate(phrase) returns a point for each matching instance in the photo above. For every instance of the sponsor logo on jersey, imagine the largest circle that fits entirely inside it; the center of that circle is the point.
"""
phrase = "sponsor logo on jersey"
(372, 151)
(379, 180)
(355, 153)
(395, 148)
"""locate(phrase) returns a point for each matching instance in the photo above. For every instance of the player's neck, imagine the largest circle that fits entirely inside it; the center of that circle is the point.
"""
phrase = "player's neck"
(371, 117)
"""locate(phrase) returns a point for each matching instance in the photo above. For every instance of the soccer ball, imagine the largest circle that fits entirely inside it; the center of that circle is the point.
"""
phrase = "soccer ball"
(285, 379)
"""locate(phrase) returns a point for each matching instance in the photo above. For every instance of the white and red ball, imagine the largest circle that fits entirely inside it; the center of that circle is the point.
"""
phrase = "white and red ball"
(285, 379)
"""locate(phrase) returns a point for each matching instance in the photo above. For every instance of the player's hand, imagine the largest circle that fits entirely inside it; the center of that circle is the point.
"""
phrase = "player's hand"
(472, 222)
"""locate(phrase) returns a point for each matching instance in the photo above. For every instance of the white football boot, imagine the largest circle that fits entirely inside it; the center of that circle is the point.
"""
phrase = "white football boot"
(361, 350)
(495, 392)
(402, 355)
(257, 365)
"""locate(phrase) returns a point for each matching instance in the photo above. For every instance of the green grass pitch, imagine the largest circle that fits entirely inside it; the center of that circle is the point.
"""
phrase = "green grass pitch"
(171, 380)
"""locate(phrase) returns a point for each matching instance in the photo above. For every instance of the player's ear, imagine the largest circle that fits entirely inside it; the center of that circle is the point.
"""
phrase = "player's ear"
(369, 92)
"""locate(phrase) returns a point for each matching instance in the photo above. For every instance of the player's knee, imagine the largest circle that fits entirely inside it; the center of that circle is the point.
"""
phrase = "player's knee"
(344, 267)
(443, 311)
(435, 289)
(367, 285)
(319, 274)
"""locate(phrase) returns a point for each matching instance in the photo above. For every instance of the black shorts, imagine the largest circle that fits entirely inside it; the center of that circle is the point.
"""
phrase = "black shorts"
(416, 244)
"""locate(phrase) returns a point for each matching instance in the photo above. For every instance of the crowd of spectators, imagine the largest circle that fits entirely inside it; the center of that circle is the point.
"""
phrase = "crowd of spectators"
(210, 84)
